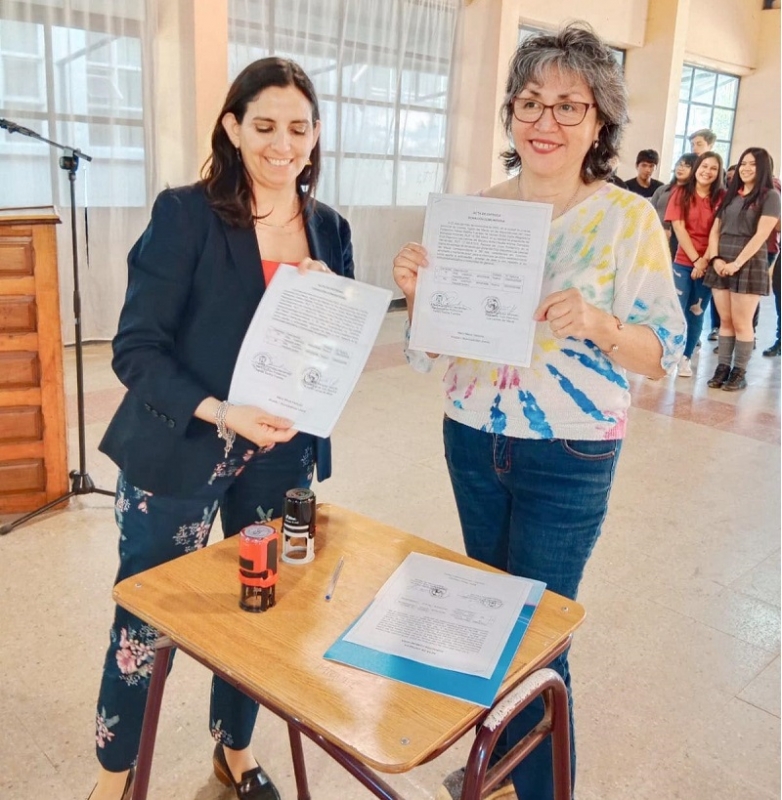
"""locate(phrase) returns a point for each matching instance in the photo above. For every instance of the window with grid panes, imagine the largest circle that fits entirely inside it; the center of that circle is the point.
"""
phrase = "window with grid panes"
(382, 87)
(77, 81)
(707, 99)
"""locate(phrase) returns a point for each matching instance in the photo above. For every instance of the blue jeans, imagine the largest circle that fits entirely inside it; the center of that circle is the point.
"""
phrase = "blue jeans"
(694, 298)
(247, 487)
(532, 507)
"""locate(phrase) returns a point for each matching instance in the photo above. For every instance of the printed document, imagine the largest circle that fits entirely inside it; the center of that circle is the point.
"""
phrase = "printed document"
(486, 260)
(307, 345)
(443, 614)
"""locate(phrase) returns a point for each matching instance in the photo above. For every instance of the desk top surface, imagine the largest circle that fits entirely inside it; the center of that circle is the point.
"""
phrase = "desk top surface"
(278, 654)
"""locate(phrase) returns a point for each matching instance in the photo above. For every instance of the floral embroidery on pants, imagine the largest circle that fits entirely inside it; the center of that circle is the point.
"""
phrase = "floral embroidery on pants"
(231, 467)
(136, 653)
(193, 536)
(219, 735)
(103, 724)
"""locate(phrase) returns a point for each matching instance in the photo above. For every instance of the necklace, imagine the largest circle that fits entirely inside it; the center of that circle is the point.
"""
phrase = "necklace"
(285, 228)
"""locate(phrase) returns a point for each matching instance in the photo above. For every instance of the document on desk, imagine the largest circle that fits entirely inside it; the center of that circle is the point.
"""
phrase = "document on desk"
(306, 346)
(486, 260)
(444, 614)
(419, 668)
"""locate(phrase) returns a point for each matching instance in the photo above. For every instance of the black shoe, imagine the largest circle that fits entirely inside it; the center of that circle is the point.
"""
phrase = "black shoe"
(774, 350)
(736, 380)
(714, 334)
(720, 376)
(254, 785)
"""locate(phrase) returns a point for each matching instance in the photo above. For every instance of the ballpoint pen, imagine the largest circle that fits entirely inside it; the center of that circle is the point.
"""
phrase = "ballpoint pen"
(334, 579)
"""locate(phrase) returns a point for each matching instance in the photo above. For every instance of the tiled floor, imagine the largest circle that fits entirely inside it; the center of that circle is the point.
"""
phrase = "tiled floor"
(676, 670)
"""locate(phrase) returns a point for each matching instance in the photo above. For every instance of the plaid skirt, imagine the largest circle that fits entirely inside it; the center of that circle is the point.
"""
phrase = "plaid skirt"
(752, 278)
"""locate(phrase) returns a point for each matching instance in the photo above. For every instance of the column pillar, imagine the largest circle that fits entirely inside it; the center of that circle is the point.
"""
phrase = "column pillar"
(654, 72)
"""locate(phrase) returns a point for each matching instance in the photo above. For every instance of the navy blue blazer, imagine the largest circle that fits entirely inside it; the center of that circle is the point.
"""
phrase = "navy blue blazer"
(194, 283)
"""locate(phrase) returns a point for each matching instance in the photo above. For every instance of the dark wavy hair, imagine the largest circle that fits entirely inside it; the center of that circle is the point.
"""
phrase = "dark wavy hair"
(764, 172)
(686, 158)
(716, 192)
(576, 50)
(224, 177)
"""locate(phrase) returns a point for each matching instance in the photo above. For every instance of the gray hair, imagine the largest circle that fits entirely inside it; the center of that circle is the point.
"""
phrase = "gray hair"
(578, 51)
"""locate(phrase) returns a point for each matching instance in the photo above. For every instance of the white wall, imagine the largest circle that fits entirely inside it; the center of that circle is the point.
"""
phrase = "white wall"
(758, 112)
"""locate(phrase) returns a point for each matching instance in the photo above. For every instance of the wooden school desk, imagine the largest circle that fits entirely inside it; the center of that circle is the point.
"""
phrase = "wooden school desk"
(367, 723)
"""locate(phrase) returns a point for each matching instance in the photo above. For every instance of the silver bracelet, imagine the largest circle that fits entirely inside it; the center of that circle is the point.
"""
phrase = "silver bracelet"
(224, 432)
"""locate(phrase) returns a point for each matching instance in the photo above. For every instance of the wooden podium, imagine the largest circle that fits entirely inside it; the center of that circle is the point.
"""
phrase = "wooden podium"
(33, 449)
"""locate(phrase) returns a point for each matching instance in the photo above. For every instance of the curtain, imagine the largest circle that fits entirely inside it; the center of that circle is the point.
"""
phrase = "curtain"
(82, 73)
(382, 70)
(74, 73)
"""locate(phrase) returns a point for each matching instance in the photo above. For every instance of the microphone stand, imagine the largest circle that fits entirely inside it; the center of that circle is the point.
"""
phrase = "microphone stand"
(81, 482)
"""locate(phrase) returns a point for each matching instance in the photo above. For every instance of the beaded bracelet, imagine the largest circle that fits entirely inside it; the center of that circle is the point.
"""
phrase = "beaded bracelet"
(224, 432)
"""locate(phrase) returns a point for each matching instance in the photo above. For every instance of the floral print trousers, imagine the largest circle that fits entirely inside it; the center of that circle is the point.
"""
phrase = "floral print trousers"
(248, 486)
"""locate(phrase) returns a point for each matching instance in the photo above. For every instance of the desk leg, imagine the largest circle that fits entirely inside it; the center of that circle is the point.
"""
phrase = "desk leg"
(299, 767)
(555, 723)
(151, 716)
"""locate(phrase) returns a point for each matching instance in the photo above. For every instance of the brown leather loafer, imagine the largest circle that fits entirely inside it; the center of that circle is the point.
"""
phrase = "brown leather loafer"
(254, 785)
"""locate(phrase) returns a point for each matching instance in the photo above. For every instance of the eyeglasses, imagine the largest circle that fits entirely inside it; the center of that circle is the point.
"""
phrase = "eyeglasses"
(565, 113)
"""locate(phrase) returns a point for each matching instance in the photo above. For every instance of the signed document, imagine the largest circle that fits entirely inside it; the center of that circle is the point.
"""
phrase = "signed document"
(443, 614)
(307, 345)
(477, 296)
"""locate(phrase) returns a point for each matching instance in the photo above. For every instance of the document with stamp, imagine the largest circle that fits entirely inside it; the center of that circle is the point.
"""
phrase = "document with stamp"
(306, 346)
(486, 260)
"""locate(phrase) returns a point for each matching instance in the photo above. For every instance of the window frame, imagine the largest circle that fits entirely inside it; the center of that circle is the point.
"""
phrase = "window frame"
(55, 118)
(681, 141)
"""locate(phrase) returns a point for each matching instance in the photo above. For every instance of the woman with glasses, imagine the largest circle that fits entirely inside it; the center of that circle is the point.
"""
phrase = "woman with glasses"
(532, 451)
(738, 273)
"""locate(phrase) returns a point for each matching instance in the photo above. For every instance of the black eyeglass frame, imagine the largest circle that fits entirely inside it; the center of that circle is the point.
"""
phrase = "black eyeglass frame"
(543, 107)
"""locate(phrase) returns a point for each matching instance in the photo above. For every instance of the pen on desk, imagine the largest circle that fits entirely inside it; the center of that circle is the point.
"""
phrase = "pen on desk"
(334, 579)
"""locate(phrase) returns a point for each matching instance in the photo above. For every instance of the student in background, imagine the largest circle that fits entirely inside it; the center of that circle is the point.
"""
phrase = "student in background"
(691, 212)
(729, 173)
(702, 141)
(645, 164)
(773, 262)
(738, 274)
(681, 174)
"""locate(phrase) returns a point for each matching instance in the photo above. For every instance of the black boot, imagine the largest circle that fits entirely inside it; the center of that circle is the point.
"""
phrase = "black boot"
(720, 376)
(736, 380)
(774, 350)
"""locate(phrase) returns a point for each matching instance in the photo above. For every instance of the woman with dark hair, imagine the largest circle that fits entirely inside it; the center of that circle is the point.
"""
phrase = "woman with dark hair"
(691, 212)
(195, 278)
(738, 271)
(531, 452)
(681, 174)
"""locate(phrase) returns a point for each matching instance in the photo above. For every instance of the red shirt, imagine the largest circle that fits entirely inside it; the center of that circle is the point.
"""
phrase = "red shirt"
(698, 226)
(270, 267)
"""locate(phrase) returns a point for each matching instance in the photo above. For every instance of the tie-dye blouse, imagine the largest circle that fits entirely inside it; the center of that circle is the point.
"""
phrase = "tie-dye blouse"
(612, 248)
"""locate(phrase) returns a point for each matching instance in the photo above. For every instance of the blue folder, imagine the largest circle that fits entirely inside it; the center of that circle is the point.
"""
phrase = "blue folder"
(471, 688)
